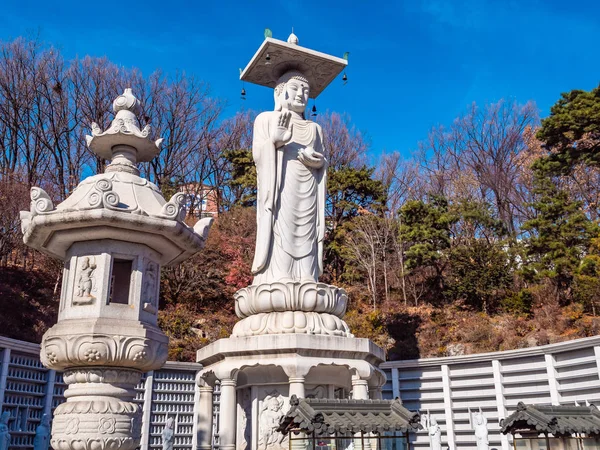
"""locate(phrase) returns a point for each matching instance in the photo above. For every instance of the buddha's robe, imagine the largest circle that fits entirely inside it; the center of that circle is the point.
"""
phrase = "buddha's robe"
(290, 204)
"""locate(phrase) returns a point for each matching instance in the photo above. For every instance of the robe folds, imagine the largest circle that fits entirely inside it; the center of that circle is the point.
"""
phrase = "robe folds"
(290, 204)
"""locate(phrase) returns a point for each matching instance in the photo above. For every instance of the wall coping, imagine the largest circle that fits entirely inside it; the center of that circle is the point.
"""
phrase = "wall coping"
(576, 344)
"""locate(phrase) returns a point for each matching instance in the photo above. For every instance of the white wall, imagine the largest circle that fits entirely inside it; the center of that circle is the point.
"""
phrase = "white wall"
(551, 374)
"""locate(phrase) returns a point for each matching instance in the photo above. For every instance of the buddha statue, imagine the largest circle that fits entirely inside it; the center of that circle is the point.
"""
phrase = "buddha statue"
(291, 173)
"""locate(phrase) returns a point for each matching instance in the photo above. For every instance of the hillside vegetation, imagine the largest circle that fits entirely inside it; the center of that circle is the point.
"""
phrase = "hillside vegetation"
(484, 238)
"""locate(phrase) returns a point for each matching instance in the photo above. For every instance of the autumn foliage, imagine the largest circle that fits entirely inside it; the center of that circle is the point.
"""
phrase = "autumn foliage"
(484, 238)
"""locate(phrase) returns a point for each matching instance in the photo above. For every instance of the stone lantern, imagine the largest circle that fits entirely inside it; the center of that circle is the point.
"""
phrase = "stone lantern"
(114, 233)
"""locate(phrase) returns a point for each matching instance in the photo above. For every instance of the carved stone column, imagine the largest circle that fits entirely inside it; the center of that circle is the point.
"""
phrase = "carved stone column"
(376, 393)
(205, 415)
(227, 426)
(360, 391)
(297, 386)
(297, 389)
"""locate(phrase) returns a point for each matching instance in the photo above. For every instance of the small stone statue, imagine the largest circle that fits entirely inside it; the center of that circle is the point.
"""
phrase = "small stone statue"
(42, 434)
(168, 434)
(149, 291)
(478, 423)
(86, 273)
(4, 434)
(434, 431)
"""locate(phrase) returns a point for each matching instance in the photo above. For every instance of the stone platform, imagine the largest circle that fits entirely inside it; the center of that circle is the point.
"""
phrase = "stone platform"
(259, 374)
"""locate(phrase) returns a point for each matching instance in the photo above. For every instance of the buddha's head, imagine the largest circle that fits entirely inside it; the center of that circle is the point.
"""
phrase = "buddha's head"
(291, 92)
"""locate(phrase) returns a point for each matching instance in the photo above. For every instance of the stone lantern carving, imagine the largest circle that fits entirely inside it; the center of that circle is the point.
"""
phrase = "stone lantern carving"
(114, 233)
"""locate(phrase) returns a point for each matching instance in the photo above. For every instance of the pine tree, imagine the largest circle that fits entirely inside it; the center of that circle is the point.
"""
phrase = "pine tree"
(426, 229)
(558, 237)
(572, 131)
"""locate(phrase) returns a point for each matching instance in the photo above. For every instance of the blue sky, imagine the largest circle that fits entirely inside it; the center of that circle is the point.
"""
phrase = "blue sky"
(413, 64)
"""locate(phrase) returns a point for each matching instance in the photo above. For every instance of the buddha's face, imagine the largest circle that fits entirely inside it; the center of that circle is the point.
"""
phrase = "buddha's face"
(295, 96)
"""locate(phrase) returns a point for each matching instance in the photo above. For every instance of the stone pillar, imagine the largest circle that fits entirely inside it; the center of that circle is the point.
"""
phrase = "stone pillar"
(448, 413)
(500, 406)
(552, 381)
(205, 416)
(147, 410)
(360, 391)
(395, 383)
(376, 394)
(4, 373)
(107, 419)
(49, 393)
(297, 386)
(227, 416)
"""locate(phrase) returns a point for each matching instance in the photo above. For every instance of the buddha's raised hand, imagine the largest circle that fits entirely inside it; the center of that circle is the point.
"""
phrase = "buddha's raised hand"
(281, 129)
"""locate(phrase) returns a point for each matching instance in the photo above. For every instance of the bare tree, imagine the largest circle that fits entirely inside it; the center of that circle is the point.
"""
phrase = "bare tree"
(479, 156)
(344, 144)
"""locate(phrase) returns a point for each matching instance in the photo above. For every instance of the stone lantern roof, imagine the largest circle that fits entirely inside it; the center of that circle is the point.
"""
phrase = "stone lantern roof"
(117, 204)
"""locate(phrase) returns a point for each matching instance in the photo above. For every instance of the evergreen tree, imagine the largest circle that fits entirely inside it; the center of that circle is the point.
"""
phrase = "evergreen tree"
(558, 236)
(480, 269)
(426, 227)
(572, 131)
(243, 177)
(350, 190)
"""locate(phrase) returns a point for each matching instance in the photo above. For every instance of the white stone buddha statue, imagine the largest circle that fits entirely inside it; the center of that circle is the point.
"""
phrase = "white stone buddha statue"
(291, 173)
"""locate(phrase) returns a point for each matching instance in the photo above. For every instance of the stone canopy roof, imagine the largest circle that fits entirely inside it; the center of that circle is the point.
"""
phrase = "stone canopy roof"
(556, 420)
(327, 416)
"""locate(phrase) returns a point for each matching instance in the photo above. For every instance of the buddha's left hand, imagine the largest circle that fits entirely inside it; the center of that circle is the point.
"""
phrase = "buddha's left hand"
(310, 158)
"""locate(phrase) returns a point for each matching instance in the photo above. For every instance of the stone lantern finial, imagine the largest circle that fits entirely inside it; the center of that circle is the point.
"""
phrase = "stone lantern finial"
(127, 102)
(123, 142)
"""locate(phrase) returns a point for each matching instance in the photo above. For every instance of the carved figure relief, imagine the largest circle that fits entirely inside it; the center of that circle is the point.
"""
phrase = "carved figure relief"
(270, 412)
(4, 434)
(149, 290)
(85, 282)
